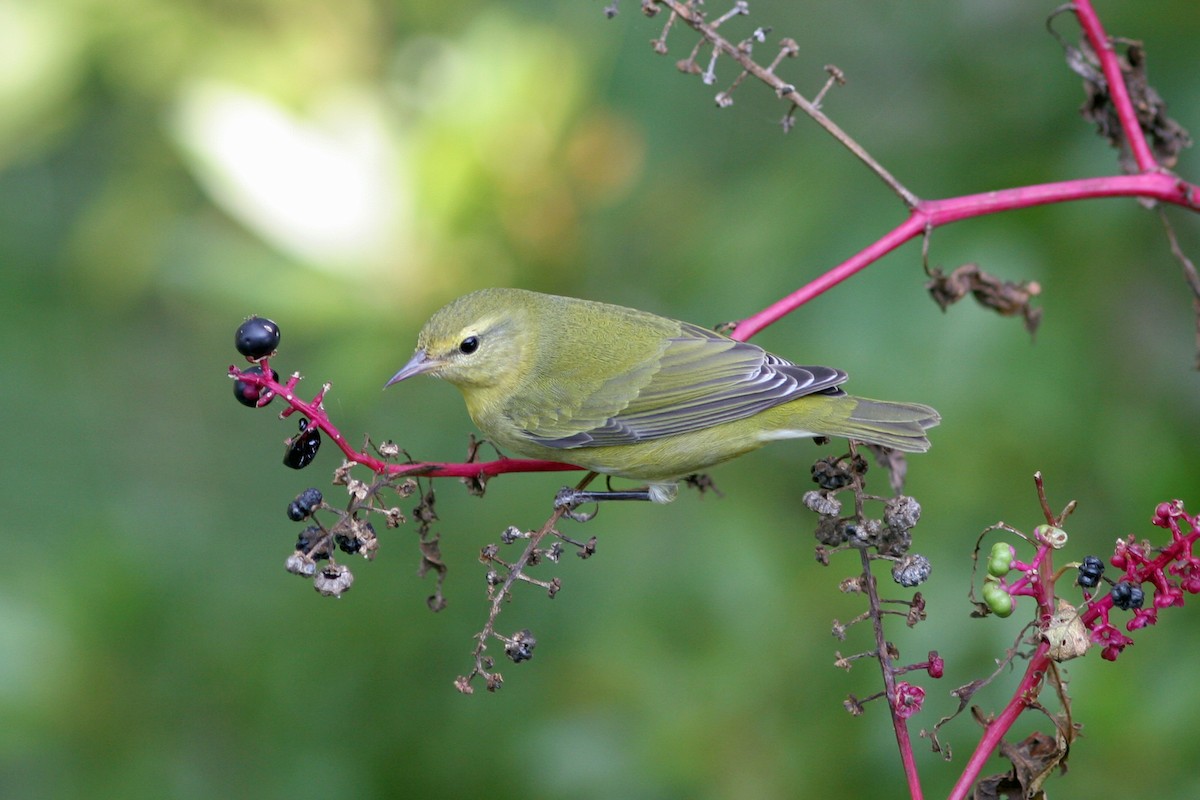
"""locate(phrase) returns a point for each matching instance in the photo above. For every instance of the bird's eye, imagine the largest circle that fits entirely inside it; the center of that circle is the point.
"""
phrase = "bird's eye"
(468, 345)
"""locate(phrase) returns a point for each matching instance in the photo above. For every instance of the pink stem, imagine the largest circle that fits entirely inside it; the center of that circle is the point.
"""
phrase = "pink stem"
(1117, 91)
(1027, 691)
(930, 214)
(434, 469)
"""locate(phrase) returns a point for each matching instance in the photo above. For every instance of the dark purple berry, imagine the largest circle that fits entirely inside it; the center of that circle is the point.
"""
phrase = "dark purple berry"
(347, 544)
(256, 337)
(309, 540)
(304, 503)
(310, 497)
(1090, 571)
(1126, 596)
(247, 393)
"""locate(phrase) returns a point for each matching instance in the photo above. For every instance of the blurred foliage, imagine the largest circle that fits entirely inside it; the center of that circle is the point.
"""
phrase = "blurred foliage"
(168, 167)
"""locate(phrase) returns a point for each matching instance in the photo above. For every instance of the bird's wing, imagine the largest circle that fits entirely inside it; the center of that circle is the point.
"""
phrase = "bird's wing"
(703, 379)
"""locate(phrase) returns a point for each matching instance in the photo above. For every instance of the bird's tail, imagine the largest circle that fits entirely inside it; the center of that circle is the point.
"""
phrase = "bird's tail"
(900, 426)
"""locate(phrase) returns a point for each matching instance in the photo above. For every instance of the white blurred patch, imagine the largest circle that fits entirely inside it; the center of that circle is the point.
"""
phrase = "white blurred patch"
(328, 188)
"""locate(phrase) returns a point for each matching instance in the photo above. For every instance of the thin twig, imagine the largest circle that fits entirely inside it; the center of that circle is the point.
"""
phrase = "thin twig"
(688, 15)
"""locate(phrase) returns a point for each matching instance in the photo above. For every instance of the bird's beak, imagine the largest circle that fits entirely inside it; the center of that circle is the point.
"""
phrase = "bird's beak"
(420, 362)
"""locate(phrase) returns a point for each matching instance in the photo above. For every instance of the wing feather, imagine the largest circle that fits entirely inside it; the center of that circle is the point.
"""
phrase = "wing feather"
(703, 379)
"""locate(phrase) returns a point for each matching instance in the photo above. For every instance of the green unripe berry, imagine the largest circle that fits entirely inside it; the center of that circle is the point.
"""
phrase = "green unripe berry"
(997, 599)
(1000, 561)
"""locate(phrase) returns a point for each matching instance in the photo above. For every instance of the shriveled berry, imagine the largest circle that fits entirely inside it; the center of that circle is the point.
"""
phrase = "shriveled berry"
(912, 570)
(1126, 596)
(247, 393)
(303, 447)
(831, 474)
(902, 512)
(303, 504)
(301, 564)
(256, 337)
(520, 647)
(314, 542)
(822, 503)
(937, 665)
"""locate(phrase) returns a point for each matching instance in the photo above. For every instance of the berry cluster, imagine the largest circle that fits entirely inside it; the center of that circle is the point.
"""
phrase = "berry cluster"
(889, 535)
(886, 537)
(1172, 571)
(257, 339)
(323, 540)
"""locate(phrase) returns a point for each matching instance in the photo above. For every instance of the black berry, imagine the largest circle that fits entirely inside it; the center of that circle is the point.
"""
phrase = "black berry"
(247, 393)
(1090, 571)
(256, 337)
(1126, 596)
(303, 505)
(303, 447)
(310, 497)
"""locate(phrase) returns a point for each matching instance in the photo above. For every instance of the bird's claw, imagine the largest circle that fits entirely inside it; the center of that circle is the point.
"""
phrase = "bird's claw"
(568, 499)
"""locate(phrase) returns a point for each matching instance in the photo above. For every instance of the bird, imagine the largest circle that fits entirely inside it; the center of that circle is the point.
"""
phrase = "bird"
(630, 394)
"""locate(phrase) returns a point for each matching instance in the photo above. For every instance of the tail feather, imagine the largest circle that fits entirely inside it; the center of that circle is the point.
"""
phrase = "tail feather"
(900, 426)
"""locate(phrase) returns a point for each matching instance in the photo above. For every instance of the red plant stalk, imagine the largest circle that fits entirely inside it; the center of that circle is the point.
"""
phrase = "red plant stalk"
(317, 417)
(1027, 690)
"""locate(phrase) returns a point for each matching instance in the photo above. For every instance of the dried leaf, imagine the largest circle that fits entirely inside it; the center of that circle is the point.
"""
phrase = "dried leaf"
(1006, 298)
(1165, 136)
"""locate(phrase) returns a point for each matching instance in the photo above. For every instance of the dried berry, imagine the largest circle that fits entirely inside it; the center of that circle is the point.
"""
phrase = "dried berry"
(902, 512)
(912, 570)
(520, 647)
(333, 581)
(303, 505)
(315, 542)
(831, 474)
(822, 503)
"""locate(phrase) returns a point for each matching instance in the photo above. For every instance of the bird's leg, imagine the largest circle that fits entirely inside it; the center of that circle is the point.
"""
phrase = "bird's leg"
(570, 499)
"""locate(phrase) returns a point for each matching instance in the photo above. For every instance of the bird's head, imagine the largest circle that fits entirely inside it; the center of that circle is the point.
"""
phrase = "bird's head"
(477, 341)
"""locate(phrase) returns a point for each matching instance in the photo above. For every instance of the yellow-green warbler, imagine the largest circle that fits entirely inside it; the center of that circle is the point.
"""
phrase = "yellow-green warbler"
(627, 393)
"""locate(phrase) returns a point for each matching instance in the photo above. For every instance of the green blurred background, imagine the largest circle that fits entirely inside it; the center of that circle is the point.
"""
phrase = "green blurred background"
(168, 167)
